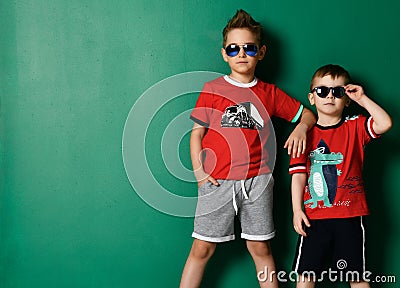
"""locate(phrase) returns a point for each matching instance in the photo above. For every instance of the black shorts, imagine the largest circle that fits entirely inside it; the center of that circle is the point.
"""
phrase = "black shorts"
(335, 244)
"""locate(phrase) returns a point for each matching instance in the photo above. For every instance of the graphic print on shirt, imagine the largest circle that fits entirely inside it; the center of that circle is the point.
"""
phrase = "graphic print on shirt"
(322, 183)
(242, 115)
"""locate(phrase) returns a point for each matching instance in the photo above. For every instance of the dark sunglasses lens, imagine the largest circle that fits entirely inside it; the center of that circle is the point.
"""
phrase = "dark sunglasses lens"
(250, 49)
(232, 50)
(338, 92)
(322, 91)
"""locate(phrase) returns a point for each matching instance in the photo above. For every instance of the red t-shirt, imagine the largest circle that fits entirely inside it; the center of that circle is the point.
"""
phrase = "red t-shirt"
(333, 162)
(238, 120)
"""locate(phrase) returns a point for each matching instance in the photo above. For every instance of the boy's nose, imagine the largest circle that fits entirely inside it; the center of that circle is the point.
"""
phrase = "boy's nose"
(241, 52)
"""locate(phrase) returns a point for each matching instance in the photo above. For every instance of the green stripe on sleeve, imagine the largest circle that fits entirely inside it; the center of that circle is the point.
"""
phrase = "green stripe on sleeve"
(294, 120)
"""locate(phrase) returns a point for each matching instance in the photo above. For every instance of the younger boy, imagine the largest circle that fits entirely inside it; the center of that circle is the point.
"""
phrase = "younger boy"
(334, 198)
(228, 153)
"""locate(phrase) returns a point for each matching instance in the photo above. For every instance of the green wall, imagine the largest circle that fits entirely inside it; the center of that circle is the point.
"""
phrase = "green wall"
(71, 72)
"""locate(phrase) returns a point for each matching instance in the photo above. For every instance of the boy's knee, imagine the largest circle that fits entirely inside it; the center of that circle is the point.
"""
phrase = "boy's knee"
(202, 249)
(361, 284)
(259, 248)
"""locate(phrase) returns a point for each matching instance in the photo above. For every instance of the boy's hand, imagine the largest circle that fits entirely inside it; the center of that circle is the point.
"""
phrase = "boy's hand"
(355, 92)
(207, 179)
(299, 217)
(202, 177)
(296, 143)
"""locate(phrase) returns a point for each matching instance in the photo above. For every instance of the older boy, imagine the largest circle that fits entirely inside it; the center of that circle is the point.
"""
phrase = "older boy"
(334, 198)
(228, 152)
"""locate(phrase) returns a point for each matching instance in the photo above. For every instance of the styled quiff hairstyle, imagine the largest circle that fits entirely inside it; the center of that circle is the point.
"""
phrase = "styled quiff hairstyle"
(242, 19)
(335, 71)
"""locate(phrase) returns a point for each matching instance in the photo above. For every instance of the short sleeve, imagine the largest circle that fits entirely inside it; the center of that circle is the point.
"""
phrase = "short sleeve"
(287, 107)
(369, 128)
(365, 129)
(202, 110)
(298, 164)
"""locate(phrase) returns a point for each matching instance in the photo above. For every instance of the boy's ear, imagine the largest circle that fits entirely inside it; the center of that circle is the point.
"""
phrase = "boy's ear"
(223, 53)
(348, 101)
(311, 98)
(261, 53)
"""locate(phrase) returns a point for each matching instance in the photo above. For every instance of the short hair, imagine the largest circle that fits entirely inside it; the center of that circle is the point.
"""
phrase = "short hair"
(242, 19)
(335, 71)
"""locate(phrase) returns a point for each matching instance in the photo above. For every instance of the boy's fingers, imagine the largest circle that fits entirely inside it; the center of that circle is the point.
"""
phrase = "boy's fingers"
(296, 149)
(299, 149)
(304, 147)
(288, 145)
(213, 181)
(300, 230)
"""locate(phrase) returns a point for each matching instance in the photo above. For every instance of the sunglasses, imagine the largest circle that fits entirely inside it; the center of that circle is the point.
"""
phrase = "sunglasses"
(233, 49)
(323, 91)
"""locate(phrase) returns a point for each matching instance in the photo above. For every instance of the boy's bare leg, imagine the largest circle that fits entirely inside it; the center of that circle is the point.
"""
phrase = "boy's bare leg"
(199, 255)
(359, 284)
(304, 282)
(264, 262)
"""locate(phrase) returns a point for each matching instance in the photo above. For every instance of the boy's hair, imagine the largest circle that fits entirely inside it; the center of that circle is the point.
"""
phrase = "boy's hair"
(334, 70)
(242, 19)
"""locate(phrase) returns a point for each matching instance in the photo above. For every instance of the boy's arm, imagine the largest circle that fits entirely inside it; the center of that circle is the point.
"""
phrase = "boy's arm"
(382, 121)
(196, 148)
(296, 143)
(299, 217)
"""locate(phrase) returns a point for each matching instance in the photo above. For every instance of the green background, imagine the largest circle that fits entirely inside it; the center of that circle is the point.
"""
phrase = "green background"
(70, 72)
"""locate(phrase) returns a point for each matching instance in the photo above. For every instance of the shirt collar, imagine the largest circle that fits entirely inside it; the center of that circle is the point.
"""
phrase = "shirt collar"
(239, 84)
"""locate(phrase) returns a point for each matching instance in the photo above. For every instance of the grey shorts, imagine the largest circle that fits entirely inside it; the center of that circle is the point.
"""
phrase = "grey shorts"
(250, 199)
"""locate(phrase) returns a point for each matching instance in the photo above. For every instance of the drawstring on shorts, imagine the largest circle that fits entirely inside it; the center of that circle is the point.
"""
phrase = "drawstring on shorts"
(243, 188)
